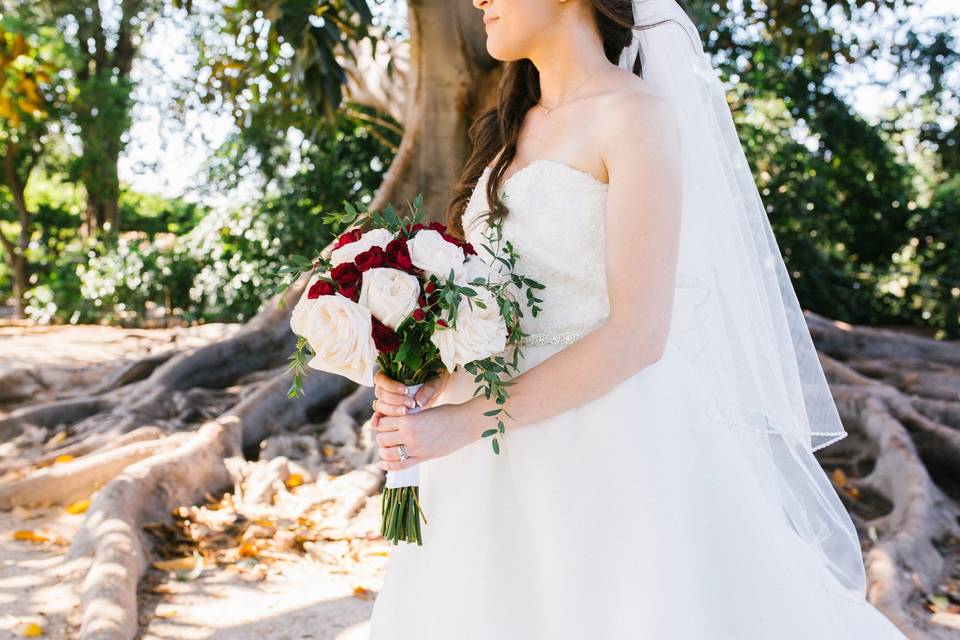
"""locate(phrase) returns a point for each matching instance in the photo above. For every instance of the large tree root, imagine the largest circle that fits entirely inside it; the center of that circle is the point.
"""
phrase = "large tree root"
(907, 503)
(139, 446)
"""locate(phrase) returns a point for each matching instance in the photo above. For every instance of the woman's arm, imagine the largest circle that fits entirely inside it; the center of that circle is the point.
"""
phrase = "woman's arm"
(641, 152)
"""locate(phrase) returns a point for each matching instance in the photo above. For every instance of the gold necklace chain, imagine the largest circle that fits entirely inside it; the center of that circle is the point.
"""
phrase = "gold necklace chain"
(569, 93)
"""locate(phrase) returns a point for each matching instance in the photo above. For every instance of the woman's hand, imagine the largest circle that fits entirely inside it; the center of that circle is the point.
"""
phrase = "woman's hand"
(391, 400)
(430, 433)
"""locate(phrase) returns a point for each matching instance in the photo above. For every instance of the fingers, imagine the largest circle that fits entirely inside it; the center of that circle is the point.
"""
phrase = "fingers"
(381, 379)
(392, 404)
(397, 465)
(425, 393)
(392, 439)
(390, 454)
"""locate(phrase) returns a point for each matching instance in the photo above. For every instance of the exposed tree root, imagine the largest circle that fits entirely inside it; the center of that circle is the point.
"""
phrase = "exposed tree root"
(907, 503)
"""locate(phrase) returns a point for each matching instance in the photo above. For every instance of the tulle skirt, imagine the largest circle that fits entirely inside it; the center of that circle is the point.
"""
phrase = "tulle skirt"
(626, 517)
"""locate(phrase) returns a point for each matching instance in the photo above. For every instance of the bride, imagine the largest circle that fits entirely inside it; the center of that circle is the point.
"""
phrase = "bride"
(656, 479)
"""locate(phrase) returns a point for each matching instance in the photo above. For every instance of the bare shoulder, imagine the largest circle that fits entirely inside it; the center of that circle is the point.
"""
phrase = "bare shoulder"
(636, 110)
(638, 124)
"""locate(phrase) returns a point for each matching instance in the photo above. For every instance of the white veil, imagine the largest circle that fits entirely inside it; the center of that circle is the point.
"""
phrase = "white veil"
(736, 316)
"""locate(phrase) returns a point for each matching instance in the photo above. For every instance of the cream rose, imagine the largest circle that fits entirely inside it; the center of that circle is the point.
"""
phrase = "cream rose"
(390, 294)
(480, 333)
(349, 251)
(434, 255)
(474, 267)
(339, 331)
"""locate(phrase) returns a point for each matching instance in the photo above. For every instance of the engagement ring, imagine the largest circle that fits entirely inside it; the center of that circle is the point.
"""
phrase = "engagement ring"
(403, 452)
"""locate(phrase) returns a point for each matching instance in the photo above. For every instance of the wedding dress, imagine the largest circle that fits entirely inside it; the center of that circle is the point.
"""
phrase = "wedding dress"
(634, 515)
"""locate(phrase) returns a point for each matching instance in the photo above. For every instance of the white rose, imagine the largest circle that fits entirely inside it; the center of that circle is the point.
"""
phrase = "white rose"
(474, 267)
(434, 255)
(340, 332)
(349, 251)
(390, 294)
(480, 333)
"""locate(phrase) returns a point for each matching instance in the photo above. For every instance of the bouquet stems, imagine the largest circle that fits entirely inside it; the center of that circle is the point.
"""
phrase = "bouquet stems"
(401, 512)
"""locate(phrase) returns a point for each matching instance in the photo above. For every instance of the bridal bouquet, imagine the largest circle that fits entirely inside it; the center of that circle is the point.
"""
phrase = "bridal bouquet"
(412, 300)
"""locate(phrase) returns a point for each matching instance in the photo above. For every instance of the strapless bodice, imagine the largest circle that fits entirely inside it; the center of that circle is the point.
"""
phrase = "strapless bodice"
(556, 225)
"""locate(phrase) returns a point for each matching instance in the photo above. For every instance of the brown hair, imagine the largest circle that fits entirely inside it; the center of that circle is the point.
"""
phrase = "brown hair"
(518, 91)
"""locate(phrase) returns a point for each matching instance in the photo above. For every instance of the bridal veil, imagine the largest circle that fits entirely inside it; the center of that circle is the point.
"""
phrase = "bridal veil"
(736, 316)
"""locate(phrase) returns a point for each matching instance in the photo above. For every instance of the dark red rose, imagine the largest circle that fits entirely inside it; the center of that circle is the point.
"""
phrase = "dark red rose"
(372, 257)
(422, 300)
(429, 287)
(385, 338)
(418, 314)
(348, 237)
(398, 255)
(468, 248)
(345, 274)
(352, 292)
(438, 226)
(410, 230)
(321, 288)
(442, 322)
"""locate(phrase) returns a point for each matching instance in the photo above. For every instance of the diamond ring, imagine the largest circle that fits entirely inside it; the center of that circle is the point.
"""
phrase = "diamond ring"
(403, 452)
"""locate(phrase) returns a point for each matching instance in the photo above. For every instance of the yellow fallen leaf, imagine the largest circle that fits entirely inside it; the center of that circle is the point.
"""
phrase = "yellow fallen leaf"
(31, 630)
(79, 506)
(64, 458)
(177, 564)
(294, 480)
(361, 592)
(29, 535)
(839, 477)
(248, 550)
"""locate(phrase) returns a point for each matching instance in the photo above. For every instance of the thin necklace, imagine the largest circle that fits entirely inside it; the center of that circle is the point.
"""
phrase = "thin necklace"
(569, 93)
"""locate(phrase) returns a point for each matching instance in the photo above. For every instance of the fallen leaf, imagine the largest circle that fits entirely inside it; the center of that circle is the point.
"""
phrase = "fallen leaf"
(31, 630)
(79, 506)
(294, 480)
(29, 535)
(361, 592)
(64, 458)
(839, 477)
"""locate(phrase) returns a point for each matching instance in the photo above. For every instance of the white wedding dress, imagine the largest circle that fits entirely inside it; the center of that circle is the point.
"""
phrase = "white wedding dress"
(627, 517)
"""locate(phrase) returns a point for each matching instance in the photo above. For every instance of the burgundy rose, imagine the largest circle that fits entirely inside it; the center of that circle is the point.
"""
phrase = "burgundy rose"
(438, 227)
(419, 314)
(348, 237)
(442, 322)
(320, 288)
(429, 287)
(398, 255)
(468, 248)
(352, 292)
(385, 338)
(345, 274)
(372, 257)
(422, 300)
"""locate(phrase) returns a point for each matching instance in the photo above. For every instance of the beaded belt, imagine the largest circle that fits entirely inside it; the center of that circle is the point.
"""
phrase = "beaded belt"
(560, 337)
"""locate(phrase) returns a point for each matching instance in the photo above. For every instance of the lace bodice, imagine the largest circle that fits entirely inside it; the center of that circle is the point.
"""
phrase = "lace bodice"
(556, 225)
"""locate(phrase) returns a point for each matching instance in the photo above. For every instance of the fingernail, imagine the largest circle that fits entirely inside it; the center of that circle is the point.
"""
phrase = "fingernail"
(405, 391)
(403, 410)
(410, 403)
